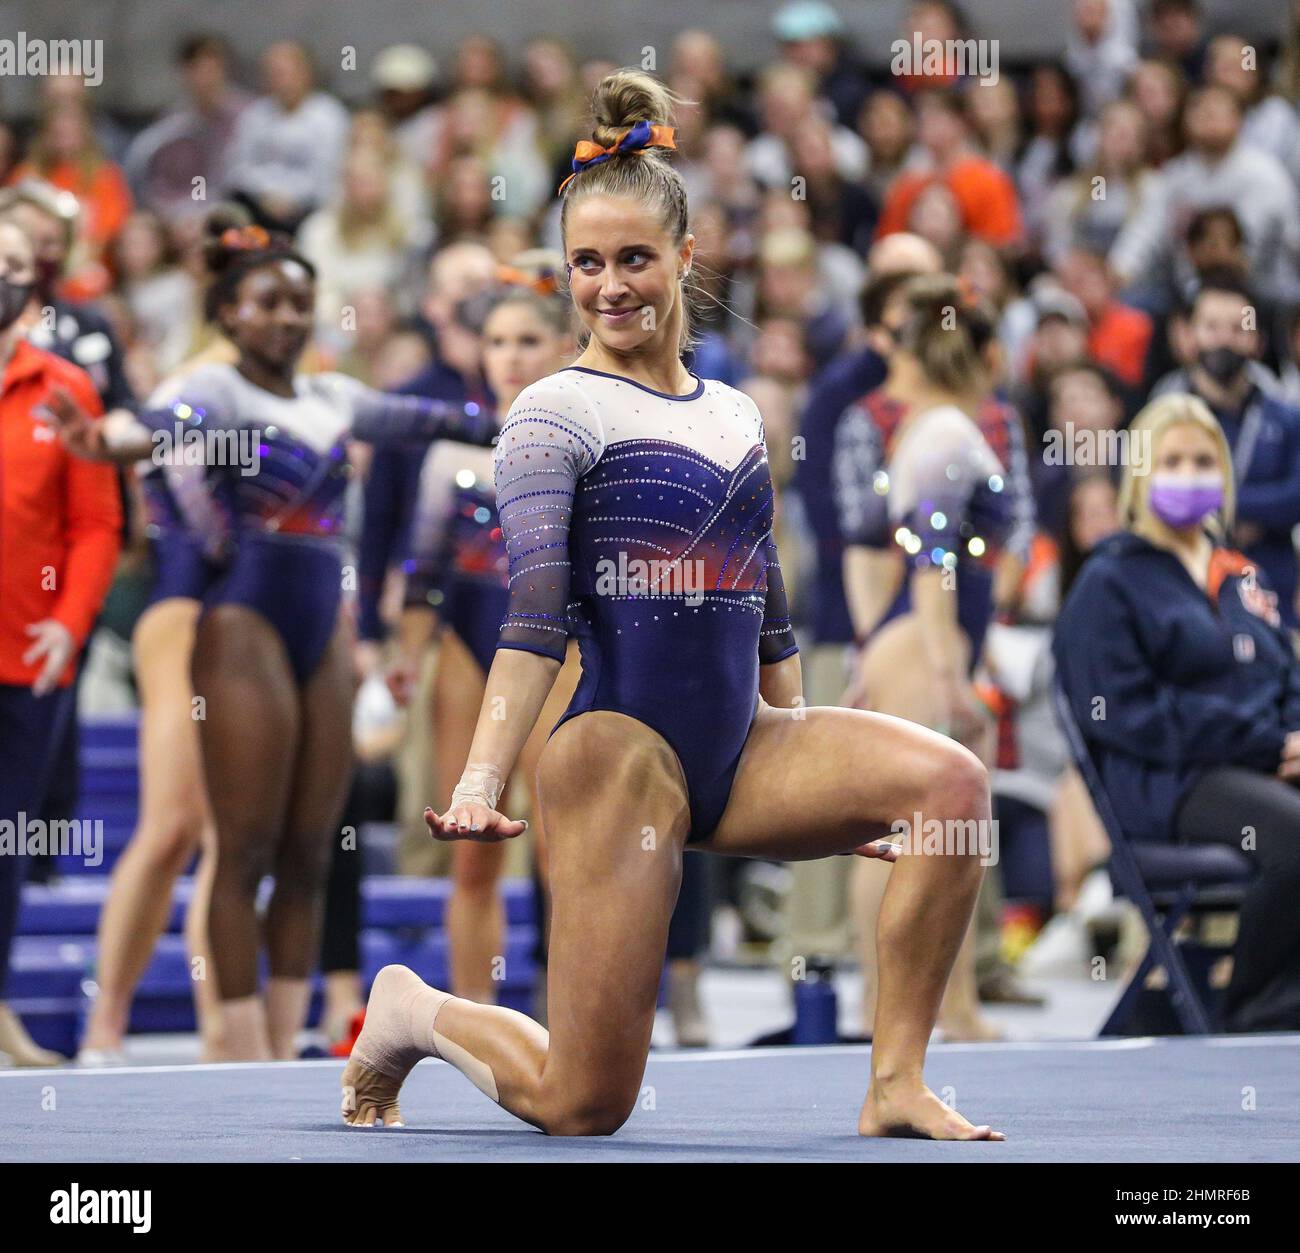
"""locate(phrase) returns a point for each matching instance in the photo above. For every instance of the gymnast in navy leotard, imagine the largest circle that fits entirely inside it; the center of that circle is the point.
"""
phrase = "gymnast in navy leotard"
(282, 487)
(660, 507)
(457, 585)
(637, 508)
(266, 449)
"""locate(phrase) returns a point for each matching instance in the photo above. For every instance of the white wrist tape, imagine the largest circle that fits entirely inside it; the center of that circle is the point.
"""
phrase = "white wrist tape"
(481, 784)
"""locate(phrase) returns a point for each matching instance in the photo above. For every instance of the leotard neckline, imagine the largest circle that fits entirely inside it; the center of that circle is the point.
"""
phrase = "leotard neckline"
(695, 395)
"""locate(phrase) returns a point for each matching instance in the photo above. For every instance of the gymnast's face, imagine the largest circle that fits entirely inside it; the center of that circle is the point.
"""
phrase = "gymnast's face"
(626, 272)
(518, 349)
(271, 316)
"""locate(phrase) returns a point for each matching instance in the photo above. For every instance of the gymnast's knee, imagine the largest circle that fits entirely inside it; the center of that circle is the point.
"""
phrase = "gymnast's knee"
(593, 1115)
(958, 784)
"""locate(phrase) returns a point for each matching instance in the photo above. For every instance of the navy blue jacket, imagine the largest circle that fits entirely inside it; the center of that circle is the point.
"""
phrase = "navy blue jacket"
(1166, 680)
(846, 379)
(1267, 434)
(390, 496)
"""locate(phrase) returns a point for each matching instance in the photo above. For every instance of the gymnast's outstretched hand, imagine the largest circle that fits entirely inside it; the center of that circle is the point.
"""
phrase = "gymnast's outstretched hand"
(881, 849)
(471, 820)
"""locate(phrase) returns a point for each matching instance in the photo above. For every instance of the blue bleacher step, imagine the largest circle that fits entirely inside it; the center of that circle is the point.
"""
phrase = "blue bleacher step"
(71, 906)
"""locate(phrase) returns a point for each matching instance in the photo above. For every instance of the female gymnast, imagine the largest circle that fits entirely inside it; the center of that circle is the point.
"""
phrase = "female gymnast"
(926, 550)
(272, 663)
(457, 587)
(688, 728)
(175, 819)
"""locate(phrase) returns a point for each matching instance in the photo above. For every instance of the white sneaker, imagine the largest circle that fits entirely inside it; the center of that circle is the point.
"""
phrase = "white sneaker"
(96, 1059)
(1061, 949)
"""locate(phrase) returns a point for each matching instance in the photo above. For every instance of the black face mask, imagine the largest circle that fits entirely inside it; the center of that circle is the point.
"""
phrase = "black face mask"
(13, 300)
(1223, 365)
(47, 275)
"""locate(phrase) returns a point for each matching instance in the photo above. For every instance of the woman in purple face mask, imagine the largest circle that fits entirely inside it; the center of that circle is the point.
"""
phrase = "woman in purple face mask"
(1181, 676)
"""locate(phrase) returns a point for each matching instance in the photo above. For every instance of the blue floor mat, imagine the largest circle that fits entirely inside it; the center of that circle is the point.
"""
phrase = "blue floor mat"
(1234, 1099)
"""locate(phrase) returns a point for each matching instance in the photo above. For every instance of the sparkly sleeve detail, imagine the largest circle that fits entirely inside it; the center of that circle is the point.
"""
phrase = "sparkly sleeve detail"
(859, 480)
(776, 639)
(203, 399)
(937, 481)
(550, 439)
(389, 418)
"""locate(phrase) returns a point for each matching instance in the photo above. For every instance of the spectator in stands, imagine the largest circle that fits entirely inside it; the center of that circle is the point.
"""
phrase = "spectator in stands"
(1104, 205)
(812, 35)
(935, 215)
(66, 155)
(1160, 92)
(1219, 168)
(1261, 429)
(699, 65)
(1101, 49)
(552, 89)
(1270, 123)
(993, 110)
(1172, 655)
(985, 270)
(932, 22)
(1118, 335)
(60, 524)
(889, 128)
(161, 297)
(176, 166)
(1085, 400)
(842, 210)
(79, 333)
(403, 76)
(498, 130)
(1050, 152)
(360, 242)
(288, 144)
(1060, 337)
(1175, 33)
(789, 105)
(986, 197)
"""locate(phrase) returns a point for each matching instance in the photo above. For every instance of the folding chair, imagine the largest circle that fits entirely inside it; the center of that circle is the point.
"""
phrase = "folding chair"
(1166, 882)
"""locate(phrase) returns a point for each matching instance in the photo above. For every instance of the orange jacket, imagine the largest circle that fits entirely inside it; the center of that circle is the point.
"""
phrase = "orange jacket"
(986, 199)
(60, 517)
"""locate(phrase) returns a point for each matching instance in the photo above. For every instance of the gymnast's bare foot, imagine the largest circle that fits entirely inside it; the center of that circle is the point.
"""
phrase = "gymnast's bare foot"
(908, 1108)
(398, 1033)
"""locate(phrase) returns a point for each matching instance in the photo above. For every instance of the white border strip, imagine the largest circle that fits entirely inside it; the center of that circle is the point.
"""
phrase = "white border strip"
(687, 1056)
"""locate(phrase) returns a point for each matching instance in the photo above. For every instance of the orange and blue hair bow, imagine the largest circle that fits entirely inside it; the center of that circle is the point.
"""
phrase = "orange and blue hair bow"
(642, 135)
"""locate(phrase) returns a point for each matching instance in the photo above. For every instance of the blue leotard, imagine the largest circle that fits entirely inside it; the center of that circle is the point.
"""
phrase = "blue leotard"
(642, 524)
(276, 467)
(458, 562)
(940, 496)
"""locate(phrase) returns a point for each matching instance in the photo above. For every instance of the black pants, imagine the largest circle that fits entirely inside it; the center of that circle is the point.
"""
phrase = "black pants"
(1266, 961)
(31, 731)
(371, 798)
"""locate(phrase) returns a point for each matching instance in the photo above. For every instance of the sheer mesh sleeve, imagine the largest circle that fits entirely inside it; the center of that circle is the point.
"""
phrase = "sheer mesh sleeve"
(550, 439)
(388, 418)
(776, 639)
(859, 480)
(203, 399)
(933, 476)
